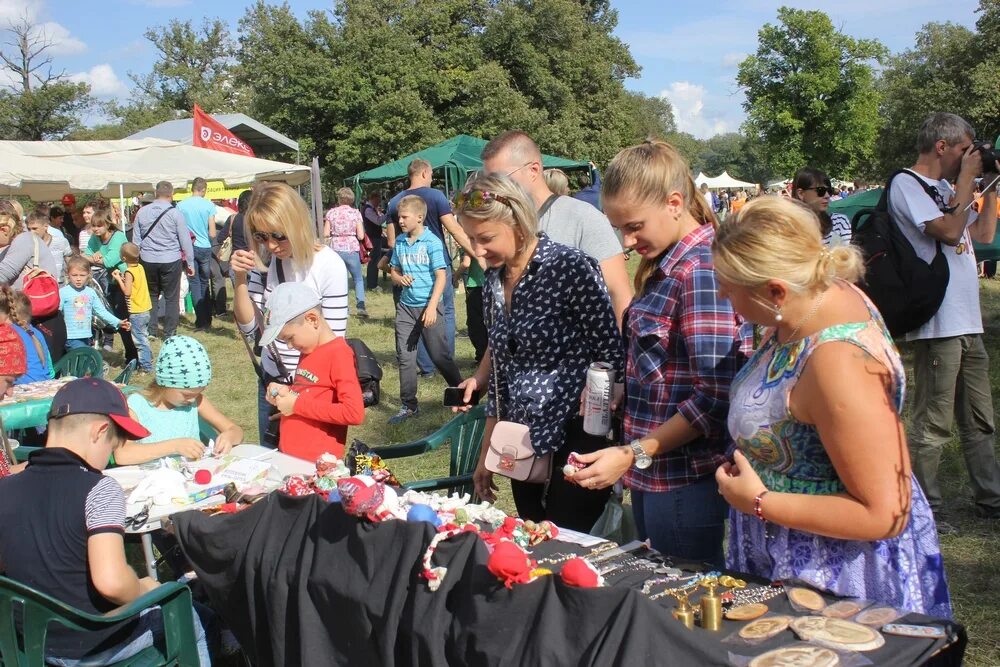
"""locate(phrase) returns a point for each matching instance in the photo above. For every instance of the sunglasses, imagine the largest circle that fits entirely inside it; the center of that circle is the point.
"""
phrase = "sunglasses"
(477, 198)
(262, 237)
(823, 190)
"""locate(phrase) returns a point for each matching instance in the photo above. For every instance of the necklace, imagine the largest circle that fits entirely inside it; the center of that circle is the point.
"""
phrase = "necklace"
(809, 316)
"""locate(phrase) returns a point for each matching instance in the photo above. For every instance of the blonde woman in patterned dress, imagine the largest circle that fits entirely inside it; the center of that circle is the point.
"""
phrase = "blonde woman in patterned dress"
(820, 485)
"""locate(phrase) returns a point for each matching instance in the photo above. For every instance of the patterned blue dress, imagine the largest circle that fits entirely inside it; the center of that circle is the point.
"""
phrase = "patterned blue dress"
(905, 572)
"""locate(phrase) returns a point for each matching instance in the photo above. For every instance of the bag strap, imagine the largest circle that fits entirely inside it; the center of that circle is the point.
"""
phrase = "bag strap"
(149, 231)
(494, 371)
(36, 258)
(544, 208)
(931, 191)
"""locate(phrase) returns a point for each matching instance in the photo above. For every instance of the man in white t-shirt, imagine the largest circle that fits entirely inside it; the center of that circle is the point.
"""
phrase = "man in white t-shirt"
(708, 197)
(950, 363)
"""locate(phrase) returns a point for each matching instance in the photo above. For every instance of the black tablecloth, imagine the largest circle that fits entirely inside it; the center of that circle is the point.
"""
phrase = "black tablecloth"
(301, 583)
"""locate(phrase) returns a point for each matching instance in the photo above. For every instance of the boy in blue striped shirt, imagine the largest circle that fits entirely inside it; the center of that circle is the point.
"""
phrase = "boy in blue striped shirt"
(418, 266)
(79, 304)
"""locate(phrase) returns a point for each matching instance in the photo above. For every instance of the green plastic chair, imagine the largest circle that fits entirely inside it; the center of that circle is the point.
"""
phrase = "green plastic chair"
(465, 435)
(39, 610)
(126, 375)
(81, 362)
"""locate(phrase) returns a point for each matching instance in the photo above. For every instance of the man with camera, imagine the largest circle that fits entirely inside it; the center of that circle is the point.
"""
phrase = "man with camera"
(950, 363)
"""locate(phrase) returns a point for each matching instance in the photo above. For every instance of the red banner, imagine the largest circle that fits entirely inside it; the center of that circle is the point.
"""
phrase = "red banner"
(210, 133)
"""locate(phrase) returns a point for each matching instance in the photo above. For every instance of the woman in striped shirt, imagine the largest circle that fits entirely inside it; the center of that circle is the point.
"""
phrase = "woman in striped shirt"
(283, 239)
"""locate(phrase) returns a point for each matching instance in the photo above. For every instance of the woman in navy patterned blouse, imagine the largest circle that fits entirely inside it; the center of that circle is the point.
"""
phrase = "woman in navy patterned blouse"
(549, 317)
(682, 356)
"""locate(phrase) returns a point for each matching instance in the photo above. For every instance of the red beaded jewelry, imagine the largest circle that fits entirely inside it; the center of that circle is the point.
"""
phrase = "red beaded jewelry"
(758, 511)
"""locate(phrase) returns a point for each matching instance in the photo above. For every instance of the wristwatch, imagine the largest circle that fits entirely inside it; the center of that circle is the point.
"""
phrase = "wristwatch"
(642, 459)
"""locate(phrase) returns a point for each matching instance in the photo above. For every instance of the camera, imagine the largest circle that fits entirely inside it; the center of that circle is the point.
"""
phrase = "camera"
(988, 154)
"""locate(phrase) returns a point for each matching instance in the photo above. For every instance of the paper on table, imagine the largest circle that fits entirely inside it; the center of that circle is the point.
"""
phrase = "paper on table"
(243, 471)
(582, 539)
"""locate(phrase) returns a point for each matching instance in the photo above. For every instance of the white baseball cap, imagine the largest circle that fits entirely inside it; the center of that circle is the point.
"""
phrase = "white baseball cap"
(287, 301)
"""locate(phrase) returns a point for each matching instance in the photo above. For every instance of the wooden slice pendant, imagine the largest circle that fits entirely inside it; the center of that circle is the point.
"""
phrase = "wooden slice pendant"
(747, 612)
(807, 599)
(765, 628)
(800, 656)
(837, 634)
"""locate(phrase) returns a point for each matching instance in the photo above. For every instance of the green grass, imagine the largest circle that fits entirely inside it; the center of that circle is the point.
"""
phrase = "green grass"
(972, 557)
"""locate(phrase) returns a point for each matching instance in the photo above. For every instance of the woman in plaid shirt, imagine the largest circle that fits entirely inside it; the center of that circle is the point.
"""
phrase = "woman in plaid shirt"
(682, 354)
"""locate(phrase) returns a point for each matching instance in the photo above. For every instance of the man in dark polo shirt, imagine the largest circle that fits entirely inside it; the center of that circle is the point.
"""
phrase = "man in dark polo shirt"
(62, 526)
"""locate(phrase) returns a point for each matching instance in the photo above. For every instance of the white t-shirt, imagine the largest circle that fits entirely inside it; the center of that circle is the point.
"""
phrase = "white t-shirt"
(912, 209)
(60, 249)
(708, 200)
(327, 275)
(840, 232)
(579, 225)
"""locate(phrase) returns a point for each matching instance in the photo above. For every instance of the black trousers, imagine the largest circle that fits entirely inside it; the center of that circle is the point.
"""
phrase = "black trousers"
(164, 279)
(566, 505)
(374, 233)
(474, 321)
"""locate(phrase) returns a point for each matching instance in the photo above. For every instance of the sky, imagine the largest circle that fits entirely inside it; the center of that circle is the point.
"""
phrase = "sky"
(689, 52)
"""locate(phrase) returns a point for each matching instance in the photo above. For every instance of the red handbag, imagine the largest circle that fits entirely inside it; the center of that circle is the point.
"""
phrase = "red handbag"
(365, 249)
(41, 289)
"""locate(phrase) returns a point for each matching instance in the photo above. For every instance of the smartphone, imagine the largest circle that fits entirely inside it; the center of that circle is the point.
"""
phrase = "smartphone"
(453, 397)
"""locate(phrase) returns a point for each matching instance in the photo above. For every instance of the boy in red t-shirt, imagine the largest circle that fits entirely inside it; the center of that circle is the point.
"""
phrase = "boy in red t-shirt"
(325, 396)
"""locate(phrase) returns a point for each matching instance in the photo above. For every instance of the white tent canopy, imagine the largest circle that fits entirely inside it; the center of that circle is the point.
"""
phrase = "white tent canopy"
(45, 170)
(722, 181)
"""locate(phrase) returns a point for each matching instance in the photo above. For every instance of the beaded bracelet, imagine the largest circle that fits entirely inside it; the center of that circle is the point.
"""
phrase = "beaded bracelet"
(757, 509)
(740, 597)
(555, 559)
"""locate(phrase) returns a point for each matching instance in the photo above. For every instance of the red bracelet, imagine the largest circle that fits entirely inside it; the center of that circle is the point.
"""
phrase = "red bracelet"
(758, 511)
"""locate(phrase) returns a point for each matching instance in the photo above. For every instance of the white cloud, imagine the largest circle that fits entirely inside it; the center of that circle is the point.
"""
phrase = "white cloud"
(688, 100)
(102, 80)
(63, 43)
(15, 10)
(733, 59)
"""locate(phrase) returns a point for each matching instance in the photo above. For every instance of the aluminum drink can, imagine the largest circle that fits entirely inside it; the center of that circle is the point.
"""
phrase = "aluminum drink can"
(597, 399)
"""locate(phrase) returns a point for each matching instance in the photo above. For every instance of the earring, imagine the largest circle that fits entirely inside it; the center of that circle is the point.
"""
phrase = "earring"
(777, 315)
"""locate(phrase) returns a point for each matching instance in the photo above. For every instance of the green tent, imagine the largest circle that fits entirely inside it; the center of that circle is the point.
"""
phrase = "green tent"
(452, 160)
(854, 203)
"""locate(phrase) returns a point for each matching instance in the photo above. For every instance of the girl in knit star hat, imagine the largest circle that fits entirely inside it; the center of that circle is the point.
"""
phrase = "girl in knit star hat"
(170, 408)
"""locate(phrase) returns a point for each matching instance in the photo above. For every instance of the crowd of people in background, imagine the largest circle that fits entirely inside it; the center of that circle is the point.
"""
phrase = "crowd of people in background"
(755, 381)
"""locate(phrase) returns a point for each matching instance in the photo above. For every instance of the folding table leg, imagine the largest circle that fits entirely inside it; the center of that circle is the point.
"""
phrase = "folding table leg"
(147, 552)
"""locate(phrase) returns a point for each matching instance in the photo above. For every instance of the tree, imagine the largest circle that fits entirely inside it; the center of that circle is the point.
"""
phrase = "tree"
(376, 79)
(40, 103)
(193, 67)
(653, 117)
(810, 94)
(932, 76)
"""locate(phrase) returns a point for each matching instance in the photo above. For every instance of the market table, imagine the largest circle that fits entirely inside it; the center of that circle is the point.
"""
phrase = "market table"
(300, 582)
(29, 406)
(282, 465)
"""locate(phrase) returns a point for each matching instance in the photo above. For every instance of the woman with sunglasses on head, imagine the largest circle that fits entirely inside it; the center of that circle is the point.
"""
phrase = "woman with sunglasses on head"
(284, 248)
(549, 316)
(820, 483)
(682, 353)
(813, 188)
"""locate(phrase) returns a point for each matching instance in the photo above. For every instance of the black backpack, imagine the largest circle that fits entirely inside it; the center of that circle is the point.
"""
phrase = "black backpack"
(369, 371)
(907, 290)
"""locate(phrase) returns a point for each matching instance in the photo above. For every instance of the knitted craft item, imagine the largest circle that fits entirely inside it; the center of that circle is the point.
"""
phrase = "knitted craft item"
(360, 495)
(578, 572)
(435, 575)
(511, 564)
(183, 363)
(13, 358)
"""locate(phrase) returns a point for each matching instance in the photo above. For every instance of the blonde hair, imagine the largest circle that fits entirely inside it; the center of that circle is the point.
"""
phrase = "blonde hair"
(776, 238)
(648, 174)
(412, 204)
(8, 307)
(518, 213)
(557, 181)
(15, 206)
(277, 207)
(16, 227)
(345, 197)
(130, 253)
(153, 393)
